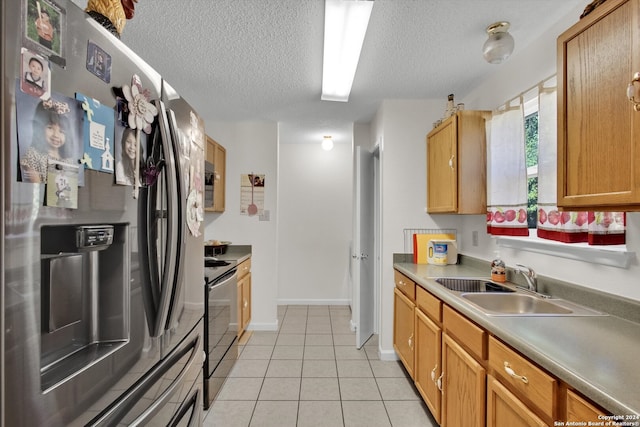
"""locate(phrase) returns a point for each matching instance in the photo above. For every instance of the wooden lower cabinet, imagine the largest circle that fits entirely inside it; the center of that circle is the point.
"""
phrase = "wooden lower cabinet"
(463, 388)
(244, 296)
(579, 409)
(505, 409)
(403, 329)
(469, 378)
(428, 364)
(534, 387)
(245, 282)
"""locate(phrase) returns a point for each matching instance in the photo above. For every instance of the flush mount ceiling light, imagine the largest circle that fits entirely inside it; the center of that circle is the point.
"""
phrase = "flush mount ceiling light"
(327, 143)
(499, 46)
(345, 25)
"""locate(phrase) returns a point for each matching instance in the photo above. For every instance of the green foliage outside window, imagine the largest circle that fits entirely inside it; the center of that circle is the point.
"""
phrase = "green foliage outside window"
(531, 154)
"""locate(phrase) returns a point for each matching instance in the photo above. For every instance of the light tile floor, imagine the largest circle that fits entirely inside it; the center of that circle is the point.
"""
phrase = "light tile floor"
(309, 373)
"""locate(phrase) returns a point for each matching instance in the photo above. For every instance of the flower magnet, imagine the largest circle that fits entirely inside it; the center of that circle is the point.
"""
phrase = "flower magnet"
(141, 113)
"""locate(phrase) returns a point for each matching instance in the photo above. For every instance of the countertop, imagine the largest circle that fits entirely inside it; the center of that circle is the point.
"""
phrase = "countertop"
(236, 253)
(597, 356)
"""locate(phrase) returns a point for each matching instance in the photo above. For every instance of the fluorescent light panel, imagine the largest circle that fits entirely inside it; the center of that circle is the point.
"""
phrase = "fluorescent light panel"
(345, 25)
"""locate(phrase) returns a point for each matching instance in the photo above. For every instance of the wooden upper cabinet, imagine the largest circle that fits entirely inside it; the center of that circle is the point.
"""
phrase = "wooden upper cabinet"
(216, 156)
(598, 129)
(456, 165)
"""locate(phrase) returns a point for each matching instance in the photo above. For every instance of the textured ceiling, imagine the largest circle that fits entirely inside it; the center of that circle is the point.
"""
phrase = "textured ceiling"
(237, 60)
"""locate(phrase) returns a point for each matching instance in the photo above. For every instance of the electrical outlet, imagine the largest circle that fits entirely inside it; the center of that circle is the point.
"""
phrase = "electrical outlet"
(474, 237)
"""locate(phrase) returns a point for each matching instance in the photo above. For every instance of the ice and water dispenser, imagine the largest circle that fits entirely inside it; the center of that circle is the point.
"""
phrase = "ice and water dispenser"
(84, 297)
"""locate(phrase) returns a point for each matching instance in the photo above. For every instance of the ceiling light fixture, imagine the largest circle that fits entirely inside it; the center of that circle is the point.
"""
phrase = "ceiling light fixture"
(499, 46)
(345, 25)
(327, 143)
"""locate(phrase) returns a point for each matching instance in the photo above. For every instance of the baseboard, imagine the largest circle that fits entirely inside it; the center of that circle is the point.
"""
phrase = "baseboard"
(273, 326)
(313, 302)
(194, 305)
(387, 354)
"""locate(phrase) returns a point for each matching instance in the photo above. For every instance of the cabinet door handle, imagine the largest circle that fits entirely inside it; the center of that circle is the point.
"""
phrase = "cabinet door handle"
(433, 373)
(631, 91)
(245, 304)
(513, 374)
(451, 159)
(439, 383)
(410, 341)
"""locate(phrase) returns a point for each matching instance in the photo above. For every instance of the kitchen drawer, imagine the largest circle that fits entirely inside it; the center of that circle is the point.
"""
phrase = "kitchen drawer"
(406, 285)
(529, 382)
(579, 409)
(430, 305)
(244, 267)
(467, 333)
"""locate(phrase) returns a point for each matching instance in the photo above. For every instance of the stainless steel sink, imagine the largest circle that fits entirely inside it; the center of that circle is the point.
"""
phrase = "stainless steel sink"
(471, 284)
(520, 304)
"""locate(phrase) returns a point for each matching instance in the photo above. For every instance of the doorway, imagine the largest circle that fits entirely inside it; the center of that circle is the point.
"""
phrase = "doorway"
(366, 246)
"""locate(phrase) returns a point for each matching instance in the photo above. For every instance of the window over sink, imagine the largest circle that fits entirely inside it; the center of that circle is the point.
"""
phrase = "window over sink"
(547, 230)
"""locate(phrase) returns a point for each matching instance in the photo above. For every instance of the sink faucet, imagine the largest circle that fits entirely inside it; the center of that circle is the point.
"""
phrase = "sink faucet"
(529, 275)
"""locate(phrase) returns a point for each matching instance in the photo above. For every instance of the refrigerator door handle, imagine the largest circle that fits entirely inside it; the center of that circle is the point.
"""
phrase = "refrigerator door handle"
(166, 395)
(119, 409)
(173, 241)
(178, 219)
(160, 264)
(190, 410)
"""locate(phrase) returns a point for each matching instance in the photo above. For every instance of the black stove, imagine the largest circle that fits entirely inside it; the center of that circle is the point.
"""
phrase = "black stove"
(215, 267)
(215, 262)
(220, 325)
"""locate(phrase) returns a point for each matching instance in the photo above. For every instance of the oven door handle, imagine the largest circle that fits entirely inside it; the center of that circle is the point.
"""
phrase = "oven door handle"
(232, 277)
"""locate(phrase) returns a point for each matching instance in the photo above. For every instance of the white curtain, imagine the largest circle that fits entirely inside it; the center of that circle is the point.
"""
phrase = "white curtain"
(552, 224)
(598, 228)
(507, 173)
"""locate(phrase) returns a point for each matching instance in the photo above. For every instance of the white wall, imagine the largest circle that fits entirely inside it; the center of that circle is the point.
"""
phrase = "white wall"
(402, 125)
(251, 147)
(301, 255)
(314, 223)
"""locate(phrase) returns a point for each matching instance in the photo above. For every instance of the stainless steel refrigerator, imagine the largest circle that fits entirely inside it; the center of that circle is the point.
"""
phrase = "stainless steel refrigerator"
(98, 260)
